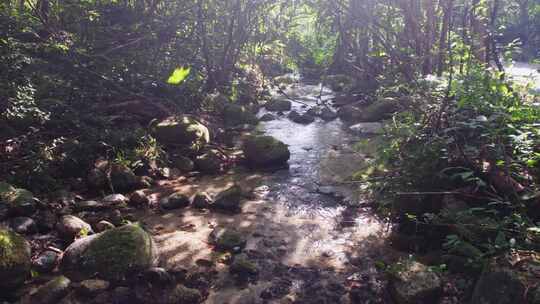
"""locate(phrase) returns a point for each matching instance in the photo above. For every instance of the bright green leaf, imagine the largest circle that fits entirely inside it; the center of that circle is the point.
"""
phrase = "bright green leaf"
(179, 75)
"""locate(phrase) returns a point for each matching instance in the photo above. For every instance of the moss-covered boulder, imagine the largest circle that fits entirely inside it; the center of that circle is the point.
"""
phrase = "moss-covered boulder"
(112, 255)
(183, 131)
(19, 202)
(278, 105)
(261, 151)
(182, 163)
(413, 282)
(228, 200)
(301, 118)
(69, 227)
(174, 201)
(243, 268)
(502, 283)
(14, 259)
(234, 115)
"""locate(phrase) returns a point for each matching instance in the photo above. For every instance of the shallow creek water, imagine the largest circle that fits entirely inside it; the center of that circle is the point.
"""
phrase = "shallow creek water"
(297, 218)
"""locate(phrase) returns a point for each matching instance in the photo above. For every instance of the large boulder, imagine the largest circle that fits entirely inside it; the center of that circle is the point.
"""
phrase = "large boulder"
(350, 113)
(278, 105)
(183, 131)
(502, 283)
(14, 259)
(112, 255)
(174, 201)
(234, 115)
(19, 202)
(261, 151)
(413, 282)
(339, 82)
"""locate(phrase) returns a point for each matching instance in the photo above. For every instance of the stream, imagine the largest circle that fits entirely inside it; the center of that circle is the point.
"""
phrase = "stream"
(308, 232)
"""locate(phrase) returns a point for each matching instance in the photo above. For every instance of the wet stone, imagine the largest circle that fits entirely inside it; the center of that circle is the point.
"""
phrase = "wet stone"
(93, 287)
(174, 201)
(23, 225)
(46, 261)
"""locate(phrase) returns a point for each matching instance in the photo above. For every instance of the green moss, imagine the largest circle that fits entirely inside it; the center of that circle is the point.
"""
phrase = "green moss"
(182, 130)
(5, 188)
(265, 150)
(118, 252)
(14, 258)
(243, 267)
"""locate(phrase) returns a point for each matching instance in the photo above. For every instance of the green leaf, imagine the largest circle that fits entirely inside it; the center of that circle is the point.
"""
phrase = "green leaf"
(179, 75)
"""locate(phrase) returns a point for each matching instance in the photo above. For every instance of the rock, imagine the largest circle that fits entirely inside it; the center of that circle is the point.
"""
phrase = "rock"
(413, 282)
(174, 201)
(267, 117)
(14, 259)
(144, 182)
(23, 225)
(367, 128)
(93, 287)
(20, 202)
(115, 200)
(97, 179)
(343, 100)
(350, 113)
(184, 131)
(228, 200)
(70, 227)
(501, 283)
(51, 292)
(278, 105)
(304, 118)
(122, 294)
(209, 162)
(243, 268)
(112, 255)
(234, 115)
(90, 206)
(284, 79)
(123, 179)
(227, 240)
(4, 211)
(184, 295)
(381, 109)
(139, 198)
(104, 225)
(261, 151)
(328, 114)
(202, 200)
(182, 163)
(46, 261)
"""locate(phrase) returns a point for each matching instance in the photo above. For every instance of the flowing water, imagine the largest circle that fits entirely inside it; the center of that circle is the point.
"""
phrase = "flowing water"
(304, 225)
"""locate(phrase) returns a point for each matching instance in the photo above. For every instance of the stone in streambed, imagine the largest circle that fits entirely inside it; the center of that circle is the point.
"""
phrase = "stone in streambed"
(19, 202)
(278, 105)
(14, 259)
(114, 255)
(46, 261)
(229, 199)
(202, 200)
(267, 117)
(227, 240)
(174, 201)
(49, 293)
(183, 131)
(184, 295)
(304, 118)
(210, 161)
(70, 226)
(414, 282)
(23, 225)
(263, 151)
(123, 179)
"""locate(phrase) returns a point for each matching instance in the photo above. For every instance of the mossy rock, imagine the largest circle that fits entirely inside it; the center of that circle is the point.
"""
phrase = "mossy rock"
(209, 162)
(182, 163)
(278, 105)
(14, 259)
(234, 115)
(21, 202)
(123, 179)
(183, 131)
(51, 292)
(112, 255)
(339, 82)
(261, 151)
(184, 295)
(243, 268)
(229, 199)
(381, 109)
(227, 239)
(413, 282)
